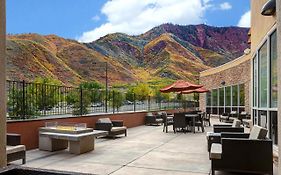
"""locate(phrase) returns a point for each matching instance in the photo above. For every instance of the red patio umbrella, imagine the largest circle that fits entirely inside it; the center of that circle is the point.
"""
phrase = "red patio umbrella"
(179, 86)
(198, 90)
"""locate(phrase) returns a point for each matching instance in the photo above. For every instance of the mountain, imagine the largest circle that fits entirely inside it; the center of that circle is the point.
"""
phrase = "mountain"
(166, 51)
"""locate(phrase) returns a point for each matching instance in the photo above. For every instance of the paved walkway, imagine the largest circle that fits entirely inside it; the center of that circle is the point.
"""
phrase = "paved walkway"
(146, 150)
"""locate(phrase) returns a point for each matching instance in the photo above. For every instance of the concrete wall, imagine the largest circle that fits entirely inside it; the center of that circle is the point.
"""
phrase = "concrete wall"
(2, 83)
(260, 25)
(232, 73)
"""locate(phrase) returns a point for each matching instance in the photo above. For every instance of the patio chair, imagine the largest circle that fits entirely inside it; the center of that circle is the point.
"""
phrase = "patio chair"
(14, 149)
(198, 122)
(167, 121)
(179, 122)
(151, 119)
(206, 119)
(215, 136)
(224, 117)
(114, 127)
(243, 153)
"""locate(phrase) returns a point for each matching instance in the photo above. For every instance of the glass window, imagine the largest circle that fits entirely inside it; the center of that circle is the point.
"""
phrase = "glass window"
(241, 95)
(214, 97)
(273, 59)
(227, 96)
(208, 96)
(234, 95)
(255, 82)
(221, 98)
(263, 75)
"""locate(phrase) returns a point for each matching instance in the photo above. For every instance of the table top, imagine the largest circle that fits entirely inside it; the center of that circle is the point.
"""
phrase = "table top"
(73, 137)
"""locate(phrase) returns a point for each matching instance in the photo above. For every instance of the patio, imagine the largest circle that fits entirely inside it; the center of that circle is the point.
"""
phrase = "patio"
(146, 150)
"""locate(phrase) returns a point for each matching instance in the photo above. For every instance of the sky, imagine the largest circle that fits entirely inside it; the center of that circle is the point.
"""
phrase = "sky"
(88, 20)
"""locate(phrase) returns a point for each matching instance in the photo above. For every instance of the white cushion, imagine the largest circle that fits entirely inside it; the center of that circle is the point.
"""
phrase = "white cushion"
(149, 114)
(216, 151)
(258, 132)
(114, 129)
(212, 134)
(236, 123)
(14, 149)
(104, 120)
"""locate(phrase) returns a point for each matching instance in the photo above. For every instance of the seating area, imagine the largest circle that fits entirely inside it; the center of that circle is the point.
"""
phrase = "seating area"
(14, 149)
(146, 150)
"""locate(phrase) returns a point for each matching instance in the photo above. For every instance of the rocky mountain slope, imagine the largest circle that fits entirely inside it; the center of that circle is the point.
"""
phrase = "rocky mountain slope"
(167, 51)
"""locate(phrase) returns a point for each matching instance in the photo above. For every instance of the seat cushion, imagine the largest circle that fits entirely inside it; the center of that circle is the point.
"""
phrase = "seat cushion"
(104, 120)
(121, 128)
(212, 134)
(149, 114)
(159, 120)
(216, 151)
(258, 132)
(236, 123)
(14, 149)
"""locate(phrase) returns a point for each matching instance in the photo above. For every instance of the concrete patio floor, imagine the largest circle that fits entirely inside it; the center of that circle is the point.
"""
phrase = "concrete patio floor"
(146, 150)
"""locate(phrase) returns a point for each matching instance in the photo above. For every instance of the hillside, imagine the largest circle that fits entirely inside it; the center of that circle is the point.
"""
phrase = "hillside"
(166, 51)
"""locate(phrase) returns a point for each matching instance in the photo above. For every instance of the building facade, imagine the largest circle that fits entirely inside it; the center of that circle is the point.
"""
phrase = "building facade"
(229, 86)
(249, 83)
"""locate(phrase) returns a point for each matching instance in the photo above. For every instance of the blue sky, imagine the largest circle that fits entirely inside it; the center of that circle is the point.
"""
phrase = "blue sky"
(87, 20)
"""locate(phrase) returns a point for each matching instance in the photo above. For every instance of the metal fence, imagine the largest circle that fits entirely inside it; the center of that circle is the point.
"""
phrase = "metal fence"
(33, 100)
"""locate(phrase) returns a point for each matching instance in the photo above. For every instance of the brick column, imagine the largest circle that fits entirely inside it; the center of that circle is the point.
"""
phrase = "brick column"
(3, 161)
(278, 15)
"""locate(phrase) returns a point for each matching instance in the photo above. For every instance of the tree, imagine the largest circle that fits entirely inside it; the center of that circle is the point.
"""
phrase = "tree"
(116, 99)
(142, 91)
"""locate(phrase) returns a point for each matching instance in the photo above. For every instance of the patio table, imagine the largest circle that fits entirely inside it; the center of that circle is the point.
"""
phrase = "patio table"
(192, 116)
(78, 143)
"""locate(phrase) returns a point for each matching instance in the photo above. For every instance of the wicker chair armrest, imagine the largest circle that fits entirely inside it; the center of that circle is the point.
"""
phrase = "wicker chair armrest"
(234, 135)
(13, 139)
(117, 123)
(228, 129)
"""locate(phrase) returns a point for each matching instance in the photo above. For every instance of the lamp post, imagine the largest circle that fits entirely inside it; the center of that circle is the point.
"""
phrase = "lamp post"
(106, 82)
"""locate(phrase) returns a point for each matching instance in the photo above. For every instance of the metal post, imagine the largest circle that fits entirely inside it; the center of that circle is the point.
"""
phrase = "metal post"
(23, 99)
(134, 102)
(148, 103)
(113, 102)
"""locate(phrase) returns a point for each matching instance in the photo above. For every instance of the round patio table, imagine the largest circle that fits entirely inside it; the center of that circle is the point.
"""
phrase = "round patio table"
(192, 116)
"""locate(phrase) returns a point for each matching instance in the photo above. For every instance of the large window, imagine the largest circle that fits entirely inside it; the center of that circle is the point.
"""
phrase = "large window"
(228, 96)
(263, 75)
(234, 95)
(221, 99)
(273, 70)
(265, 86)
(226, 99)
(214, 97)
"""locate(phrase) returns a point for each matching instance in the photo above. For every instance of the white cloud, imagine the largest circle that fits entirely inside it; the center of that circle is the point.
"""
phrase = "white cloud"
(96, 18)
(245, 20)
(225, 6)
(137, 16)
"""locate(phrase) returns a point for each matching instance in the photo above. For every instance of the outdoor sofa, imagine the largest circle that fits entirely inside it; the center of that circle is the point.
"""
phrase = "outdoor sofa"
(215, 136)
(151, 119)
(14, 149)
(114, 127)
(243, 153)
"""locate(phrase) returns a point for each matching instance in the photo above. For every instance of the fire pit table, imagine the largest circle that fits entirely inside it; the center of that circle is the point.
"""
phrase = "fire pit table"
(59, 136)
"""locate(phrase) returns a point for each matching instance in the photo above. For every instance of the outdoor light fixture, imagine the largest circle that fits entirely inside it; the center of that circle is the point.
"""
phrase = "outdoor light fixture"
(223, 83)
(269, 8)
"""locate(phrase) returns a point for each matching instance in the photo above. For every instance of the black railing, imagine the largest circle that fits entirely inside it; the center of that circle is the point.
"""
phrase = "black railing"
(32, 100)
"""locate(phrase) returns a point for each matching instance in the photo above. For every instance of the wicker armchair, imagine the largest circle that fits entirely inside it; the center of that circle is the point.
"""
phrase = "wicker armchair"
(243, 153)
(151, 119)
(14, 149)
(114, 127)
